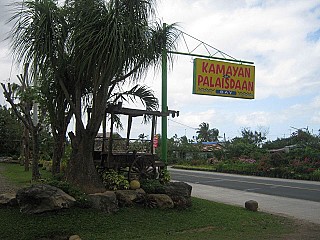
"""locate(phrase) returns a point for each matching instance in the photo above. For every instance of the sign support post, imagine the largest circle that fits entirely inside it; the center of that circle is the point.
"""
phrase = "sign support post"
(164, 103)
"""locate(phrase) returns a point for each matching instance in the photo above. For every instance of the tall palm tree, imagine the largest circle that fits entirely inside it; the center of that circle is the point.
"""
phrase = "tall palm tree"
(39, 39)
(89, 47)
(113, 42)
(205, 134)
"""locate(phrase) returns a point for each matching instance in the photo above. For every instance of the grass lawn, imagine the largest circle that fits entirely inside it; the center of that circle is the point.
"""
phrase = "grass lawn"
(197, 167)
(16, 174)
(205, 220)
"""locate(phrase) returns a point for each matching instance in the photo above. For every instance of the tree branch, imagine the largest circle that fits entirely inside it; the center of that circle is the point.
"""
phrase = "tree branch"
(8, 94)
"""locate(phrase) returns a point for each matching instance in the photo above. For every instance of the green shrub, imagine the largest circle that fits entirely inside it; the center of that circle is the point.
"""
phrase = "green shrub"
(112, 180)
(165, 176)
(80, 197)
(315, 176)
(152, 186)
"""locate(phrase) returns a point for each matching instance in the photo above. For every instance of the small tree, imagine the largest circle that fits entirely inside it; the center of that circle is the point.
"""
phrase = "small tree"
(256, 137)
(21, 98)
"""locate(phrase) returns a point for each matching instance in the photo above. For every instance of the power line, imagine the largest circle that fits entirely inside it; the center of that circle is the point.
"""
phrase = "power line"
(183, 124)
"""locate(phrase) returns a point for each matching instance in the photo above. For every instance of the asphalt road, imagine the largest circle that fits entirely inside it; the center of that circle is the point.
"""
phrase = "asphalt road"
(295, 189)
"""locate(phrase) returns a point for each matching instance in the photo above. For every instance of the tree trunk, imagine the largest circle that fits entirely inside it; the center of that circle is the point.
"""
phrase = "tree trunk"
(26, 148)
(36, 155)
(81, 170)
(58, 150)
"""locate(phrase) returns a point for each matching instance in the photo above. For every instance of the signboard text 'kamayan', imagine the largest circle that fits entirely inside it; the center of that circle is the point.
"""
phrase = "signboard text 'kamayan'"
(225, 79)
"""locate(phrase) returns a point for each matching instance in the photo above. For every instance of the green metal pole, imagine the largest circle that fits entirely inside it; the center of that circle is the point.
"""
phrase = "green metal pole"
(164, 129)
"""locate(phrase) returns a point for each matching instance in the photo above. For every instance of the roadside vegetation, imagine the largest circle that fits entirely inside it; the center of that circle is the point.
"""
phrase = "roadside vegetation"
(295, 157)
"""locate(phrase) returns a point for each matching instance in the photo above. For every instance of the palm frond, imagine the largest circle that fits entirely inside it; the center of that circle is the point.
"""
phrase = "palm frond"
(139, 93)
(38, 35)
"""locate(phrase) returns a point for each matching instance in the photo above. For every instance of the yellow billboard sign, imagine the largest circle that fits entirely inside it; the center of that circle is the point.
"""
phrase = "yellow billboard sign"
(223, 79)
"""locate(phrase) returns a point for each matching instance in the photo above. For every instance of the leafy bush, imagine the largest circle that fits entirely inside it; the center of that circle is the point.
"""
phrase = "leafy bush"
(315, 176)
(112, 180)
(165, 176)
(152, 186)
(80, 197)
(236, 167)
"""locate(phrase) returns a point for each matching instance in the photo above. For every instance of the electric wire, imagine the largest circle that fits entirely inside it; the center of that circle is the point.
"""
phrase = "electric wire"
(183, 124)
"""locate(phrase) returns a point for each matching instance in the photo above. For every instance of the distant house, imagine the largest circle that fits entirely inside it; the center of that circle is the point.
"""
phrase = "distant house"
(285, 149)
(210, 146)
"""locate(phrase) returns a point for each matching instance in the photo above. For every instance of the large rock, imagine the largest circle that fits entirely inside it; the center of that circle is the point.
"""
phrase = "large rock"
(161, 201)
(128, 198)
(74, 237)
(180, 193)
(106, 201)
(42, 198)
(251, 205)
(8, 200)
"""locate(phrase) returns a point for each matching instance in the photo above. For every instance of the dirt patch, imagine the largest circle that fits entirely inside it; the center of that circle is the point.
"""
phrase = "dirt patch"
(303, 231)
(203, 229)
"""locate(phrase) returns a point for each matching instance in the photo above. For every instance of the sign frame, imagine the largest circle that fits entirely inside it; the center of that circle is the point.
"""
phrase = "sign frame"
(224, 79)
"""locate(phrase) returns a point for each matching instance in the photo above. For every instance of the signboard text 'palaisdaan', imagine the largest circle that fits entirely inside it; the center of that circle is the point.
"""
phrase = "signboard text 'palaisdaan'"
(224, 79)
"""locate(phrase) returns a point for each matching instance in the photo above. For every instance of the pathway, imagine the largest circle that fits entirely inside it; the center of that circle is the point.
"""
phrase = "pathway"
(5, 185)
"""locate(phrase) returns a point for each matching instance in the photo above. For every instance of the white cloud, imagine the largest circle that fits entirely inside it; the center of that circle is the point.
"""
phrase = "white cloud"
(253, 119)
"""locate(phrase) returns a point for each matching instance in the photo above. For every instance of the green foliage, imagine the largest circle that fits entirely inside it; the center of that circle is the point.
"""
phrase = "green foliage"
(243, 166)
(179, 148)
(219, 154)
(239, 147)
(81, 198)
(113, 180)
(152, 186)
(165, 176)
(248, 155)
(16, 174)
(46, 144)
(66, 156)
(205, 134)
(315, 176)
(256, 137)
(10, 133)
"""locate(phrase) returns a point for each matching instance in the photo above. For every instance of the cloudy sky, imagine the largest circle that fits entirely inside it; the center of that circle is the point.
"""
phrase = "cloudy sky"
(281, 37)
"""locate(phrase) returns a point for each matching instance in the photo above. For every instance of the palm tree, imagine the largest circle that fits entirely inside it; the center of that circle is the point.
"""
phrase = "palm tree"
(205, 134)
(113, 42)
(89, 47)
(39, 39)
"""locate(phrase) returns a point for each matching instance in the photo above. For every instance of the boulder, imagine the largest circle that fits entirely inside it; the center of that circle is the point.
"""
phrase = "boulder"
(74, 237)
(127, 198)
(134, 184)
(106, 201)
(8, 200)
(8, 160)
(180, 193)
(251, 205)
(42, 198)
(161, 201)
